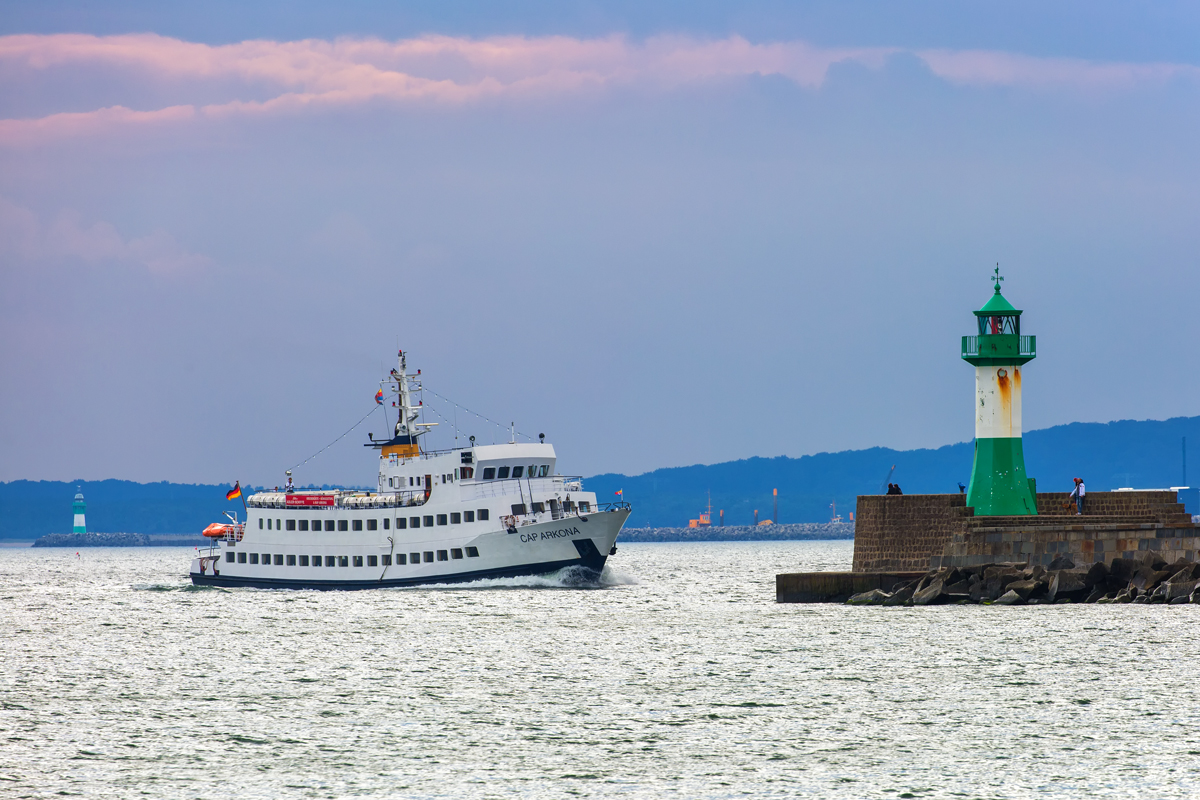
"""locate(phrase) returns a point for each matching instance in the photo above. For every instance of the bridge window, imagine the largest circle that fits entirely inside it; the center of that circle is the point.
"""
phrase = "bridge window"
(539, 507)
(489, 473)
(502, 472)
(585, 506)
(545, 468)
(518, 472)
(472, 552)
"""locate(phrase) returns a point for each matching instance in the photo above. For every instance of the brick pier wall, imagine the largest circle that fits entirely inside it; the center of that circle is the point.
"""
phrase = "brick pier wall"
(917, 532)
(901, 533)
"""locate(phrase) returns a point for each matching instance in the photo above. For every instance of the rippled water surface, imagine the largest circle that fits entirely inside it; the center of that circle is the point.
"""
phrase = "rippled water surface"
(680, 677)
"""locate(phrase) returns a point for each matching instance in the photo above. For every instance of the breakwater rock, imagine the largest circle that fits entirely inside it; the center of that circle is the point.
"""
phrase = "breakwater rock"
(742, 533)
(1125, 580)
(121, 540)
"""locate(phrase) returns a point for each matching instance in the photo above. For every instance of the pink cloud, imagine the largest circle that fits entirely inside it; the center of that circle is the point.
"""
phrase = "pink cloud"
(990, 68)
(289, 77)
(25, 239)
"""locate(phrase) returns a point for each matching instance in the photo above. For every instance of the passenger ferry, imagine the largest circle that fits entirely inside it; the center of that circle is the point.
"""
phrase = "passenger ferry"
(439, 516)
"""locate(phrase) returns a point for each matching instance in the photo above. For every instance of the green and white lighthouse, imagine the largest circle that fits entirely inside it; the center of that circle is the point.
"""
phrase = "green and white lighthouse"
(999, 485)
(80, 507)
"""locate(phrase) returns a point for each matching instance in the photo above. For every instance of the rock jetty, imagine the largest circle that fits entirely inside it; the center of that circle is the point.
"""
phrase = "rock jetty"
(121, 540)
(1149, 579)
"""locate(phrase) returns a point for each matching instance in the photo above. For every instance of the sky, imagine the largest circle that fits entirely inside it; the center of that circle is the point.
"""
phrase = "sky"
(661, 234)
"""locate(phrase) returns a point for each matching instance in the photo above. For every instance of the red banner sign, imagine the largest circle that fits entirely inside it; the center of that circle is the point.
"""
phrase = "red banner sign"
(310, 500)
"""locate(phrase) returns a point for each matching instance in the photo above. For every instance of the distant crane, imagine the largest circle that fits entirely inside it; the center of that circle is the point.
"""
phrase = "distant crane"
(883, 486)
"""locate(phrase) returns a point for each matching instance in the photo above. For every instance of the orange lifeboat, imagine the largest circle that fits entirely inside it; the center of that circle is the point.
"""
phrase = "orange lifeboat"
(218, 530)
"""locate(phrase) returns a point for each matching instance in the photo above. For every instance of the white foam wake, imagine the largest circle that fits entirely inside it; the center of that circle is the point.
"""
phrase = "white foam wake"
(565, 578)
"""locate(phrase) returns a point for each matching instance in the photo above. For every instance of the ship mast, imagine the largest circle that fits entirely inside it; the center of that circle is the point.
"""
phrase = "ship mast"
(404, 438)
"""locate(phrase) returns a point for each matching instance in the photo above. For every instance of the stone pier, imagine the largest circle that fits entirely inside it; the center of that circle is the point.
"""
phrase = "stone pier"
(901, 534)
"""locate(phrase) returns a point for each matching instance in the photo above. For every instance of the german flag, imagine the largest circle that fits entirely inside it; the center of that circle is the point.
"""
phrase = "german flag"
(236, 491)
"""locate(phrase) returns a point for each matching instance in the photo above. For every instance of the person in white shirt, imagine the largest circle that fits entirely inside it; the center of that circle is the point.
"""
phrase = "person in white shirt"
(1079, 493)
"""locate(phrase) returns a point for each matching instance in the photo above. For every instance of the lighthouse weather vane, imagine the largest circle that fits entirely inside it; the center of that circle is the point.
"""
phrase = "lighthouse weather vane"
(998, 277)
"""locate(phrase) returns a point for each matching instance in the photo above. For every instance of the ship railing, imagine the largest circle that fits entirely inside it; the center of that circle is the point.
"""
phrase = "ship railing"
(506, 487)
(398, 499)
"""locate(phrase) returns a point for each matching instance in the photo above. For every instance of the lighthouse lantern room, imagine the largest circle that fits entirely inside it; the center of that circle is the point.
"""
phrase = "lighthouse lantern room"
(999, 485)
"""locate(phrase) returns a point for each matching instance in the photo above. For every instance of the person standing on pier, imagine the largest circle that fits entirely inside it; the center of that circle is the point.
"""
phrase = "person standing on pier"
(1079, 492)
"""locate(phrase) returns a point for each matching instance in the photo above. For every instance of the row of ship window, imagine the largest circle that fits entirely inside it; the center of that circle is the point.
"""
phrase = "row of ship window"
(426, 556)
(454, 518)
(498, 473)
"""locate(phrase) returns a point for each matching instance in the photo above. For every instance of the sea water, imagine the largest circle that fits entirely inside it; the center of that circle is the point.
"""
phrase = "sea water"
(675, 675)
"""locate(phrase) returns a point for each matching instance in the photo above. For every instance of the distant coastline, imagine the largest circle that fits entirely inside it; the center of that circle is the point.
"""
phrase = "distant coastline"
(742, 533)
(121, 540)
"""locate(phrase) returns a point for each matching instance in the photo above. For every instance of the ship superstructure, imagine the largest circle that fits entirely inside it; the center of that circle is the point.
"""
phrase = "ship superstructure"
(437, 516)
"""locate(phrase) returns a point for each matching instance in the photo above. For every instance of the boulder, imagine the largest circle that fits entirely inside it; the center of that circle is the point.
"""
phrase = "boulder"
(1028, 588)
(932, 594)
(1061, 562)
(1124, 596)
(976, 593)
(875, 597)
(902, 595)
(1178, 601)
(1098, 573)
(1187, 572)
(1177, 588)
(1067, 583)
(1147, 579)
(1097, 593)
(997, 579)
(962, 587)
(1196, 597)
(1123, 568)
(1153, 560)
(1009, 598)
